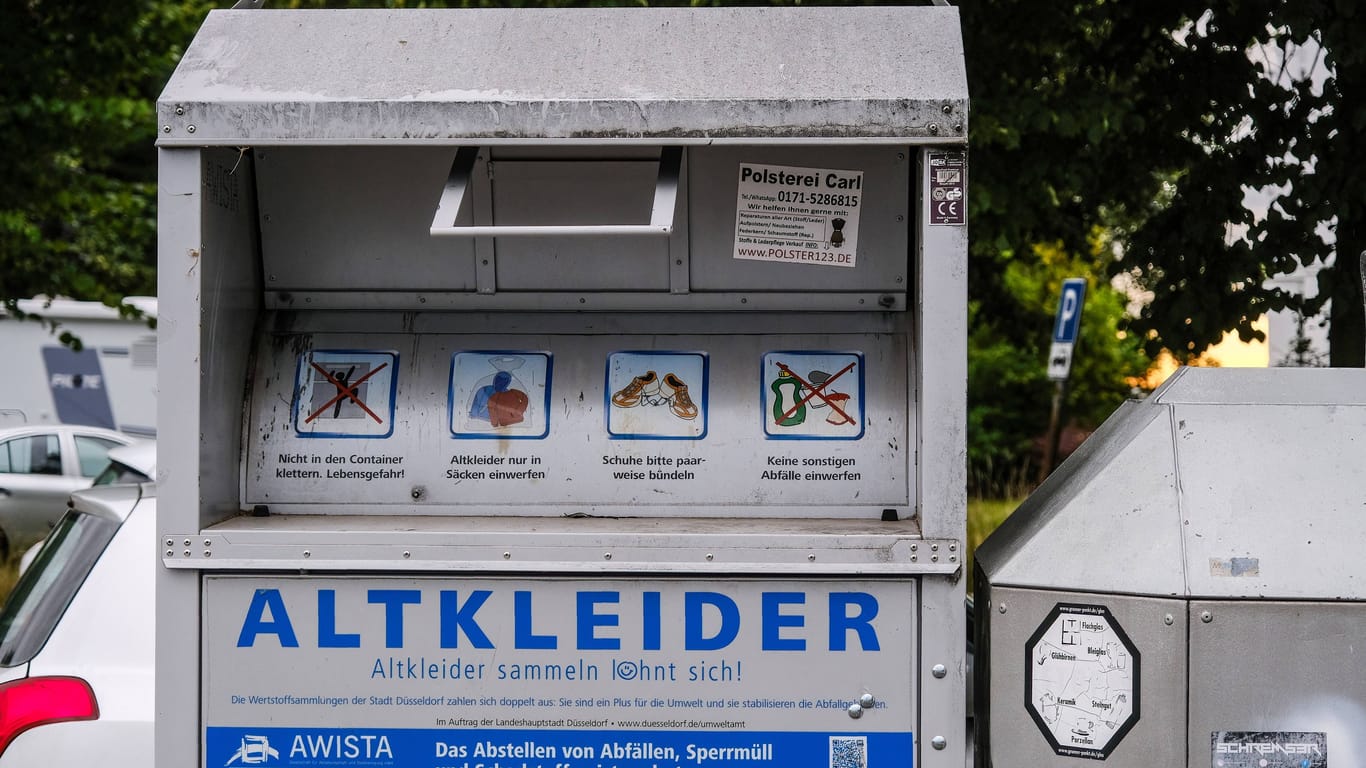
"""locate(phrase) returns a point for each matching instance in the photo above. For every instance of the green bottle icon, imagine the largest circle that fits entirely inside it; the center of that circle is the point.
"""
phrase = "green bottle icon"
(786, 394)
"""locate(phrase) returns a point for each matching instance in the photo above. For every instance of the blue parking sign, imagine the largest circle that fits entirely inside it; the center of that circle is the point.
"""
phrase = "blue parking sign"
(1068, 322)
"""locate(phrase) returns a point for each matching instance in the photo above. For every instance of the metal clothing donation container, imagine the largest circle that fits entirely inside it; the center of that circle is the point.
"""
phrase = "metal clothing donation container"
(1186, 589)
(549, 388)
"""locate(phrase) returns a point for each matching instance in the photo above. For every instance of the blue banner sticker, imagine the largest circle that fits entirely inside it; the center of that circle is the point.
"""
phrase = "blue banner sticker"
(460, 743)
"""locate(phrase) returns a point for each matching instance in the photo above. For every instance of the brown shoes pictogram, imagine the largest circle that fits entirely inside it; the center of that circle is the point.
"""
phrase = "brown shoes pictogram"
(642, 386)
(676, 391)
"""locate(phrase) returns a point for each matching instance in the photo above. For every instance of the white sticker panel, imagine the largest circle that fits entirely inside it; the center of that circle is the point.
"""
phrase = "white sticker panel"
(798, 215)
(563, 423)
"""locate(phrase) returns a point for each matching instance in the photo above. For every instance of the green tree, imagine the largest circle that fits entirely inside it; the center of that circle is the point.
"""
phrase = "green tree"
(78, 175)
(1280, 118)
(1151, 120)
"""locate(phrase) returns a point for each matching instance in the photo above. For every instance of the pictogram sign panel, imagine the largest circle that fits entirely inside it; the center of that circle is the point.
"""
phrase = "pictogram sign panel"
(345, 393)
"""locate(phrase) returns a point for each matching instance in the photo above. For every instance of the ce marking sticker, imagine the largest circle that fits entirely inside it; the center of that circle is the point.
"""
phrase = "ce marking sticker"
(948, 188)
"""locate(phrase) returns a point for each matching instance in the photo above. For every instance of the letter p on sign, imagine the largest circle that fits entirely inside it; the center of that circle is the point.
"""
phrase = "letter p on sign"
(1066, 326)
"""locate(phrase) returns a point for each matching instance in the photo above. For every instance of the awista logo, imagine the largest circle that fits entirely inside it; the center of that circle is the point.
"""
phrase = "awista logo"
(254, 750)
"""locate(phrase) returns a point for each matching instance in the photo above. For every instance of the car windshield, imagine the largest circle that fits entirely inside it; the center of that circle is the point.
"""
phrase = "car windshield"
(118, 473)
(43, 592)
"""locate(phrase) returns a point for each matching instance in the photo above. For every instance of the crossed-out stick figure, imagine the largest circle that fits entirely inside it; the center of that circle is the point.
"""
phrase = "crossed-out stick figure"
(345, 390)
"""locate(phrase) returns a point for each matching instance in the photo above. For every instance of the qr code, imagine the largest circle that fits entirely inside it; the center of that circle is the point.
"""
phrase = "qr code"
(848, 752)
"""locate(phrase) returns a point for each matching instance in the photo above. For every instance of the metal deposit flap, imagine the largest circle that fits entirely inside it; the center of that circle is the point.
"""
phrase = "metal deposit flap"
(436, 672)
(554, 424)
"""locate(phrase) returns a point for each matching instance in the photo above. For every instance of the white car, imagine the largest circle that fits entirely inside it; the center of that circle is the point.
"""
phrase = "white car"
(77, 639)
(39, 468)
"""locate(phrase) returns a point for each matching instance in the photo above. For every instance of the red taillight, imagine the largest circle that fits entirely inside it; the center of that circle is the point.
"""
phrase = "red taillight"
(35, 701)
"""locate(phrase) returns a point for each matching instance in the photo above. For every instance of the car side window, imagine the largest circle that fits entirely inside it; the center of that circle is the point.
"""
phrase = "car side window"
(32, 455)
(93, 453)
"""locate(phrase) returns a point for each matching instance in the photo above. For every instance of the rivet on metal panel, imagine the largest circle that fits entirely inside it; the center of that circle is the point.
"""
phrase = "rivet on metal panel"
(179, 110)
(957, 127)
(915, 547)
(170, 542)
(1206, 616)
(855, 711)
(933, 128)
(418, 492)
(407, 555)
(190, 129)
(606, 555)
(811, 557)
(901, 155)
(421, 299)
(678, 262)
(939, 742)
(898, 279)
(272, 278)
(953, 558)
(899, 217)
(1001, 608)
(934, 547)
(947, 109)
(170, 553)
(953, 547)
(1168, 619)
(187, 542)
(887, 301)
(507, 555)
(915, 559)
(207, 553)
(867, 701)
(583, 300)
(934, 559)
(939, 671)
(486, 262)
(307, 553)
(165, 129)
(208, 542)
(744, 301)
(710, 557)
(187, 553)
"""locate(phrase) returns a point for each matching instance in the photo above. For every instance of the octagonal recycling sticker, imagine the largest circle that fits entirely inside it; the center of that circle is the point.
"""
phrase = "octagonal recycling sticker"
(1081, 686)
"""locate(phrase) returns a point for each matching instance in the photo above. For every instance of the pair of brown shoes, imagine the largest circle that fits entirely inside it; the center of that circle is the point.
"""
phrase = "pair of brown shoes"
(646, 387)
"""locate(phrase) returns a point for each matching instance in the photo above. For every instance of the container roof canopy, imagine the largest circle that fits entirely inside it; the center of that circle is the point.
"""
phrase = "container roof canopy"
(1225, 483)
(513, 75)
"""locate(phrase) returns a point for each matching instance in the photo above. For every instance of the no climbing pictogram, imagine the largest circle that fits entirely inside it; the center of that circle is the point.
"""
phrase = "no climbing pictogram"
(343, 393)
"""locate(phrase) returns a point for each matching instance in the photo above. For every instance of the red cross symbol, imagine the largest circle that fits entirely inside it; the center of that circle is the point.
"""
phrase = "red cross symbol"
(346, 390)
(814, 392)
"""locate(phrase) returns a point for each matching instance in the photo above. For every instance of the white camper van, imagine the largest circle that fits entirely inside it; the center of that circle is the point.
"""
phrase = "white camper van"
(110, 382)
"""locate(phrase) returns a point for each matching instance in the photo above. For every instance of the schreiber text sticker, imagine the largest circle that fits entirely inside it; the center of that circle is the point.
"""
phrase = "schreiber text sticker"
(1269, 749)
(345, 393)
(798, 215)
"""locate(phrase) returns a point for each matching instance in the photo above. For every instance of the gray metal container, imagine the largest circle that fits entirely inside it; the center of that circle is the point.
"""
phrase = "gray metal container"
(1186, 589)
(479, 350)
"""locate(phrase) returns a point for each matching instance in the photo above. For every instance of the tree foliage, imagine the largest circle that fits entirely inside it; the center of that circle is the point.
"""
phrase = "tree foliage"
(78, 175)
(1153, 120)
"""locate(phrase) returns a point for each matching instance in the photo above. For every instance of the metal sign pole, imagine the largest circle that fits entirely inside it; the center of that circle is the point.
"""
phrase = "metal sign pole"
(1066, 330)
